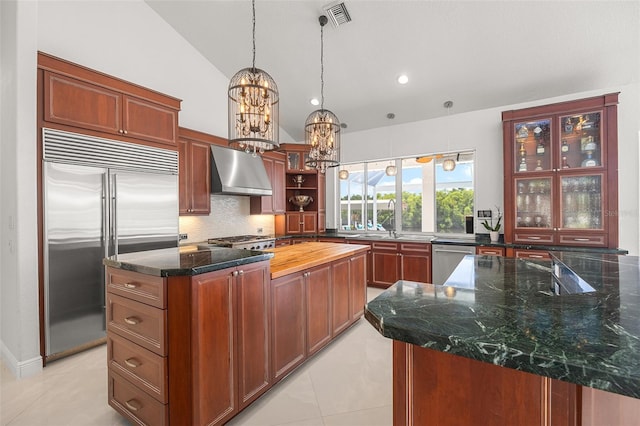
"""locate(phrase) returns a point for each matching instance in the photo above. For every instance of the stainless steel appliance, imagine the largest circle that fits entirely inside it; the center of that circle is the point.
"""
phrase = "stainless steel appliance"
(238, 173)
(101, 197)
(248, 242)
(445, 259)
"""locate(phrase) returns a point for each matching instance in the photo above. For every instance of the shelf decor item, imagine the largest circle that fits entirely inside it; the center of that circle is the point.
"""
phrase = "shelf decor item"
(298, 180)
(253, 107)
(301, 201)
(322, 127)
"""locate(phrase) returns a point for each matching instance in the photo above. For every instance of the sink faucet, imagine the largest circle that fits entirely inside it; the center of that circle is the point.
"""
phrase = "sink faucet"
(392, 220)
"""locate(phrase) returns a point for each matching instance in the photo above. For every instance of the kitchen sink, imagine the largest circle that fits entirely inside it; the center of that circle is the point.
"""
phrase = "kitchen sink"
(399, 237)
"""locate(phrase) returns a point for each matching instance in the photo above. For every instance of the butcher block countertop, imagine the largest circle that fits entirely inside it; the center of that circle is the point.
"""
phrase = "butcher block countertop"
(299, 257)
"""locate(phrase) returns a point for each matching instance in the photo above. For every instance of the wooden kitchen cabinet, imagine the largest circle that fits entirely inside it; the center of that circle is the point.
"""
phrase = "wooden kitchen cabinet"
(274, 163)
(217, 359)
(358, 283)
(340, 295)
(529, 254)
(415, 262)
(289, 313)
(194, 172)
(302, 180)
(318, 295)
(561, 180)
(301, 222)
(385, 265)
(81, 98)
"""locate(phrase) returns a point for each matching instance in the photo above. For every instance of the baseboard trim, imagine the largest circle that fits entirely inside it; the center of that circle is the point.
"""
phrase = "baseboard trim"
(20, 369)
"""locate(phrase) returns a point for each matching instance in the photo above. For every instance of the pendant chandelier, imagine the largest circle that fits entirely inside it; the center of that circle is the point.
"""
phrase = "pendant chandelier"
(322, 128)
(253, 107)
(449, 164)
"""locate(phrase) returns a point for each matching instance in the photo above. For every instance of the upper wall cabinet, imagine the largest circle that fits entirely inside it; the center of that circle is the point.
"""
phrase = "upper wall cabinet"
(274, 163)
(194, 176)
(86, 99)
(561, 173)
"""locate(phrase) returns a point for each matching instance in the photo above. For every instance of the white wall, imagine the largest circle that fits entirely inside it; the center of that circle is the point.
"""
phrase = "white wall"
(482, 131)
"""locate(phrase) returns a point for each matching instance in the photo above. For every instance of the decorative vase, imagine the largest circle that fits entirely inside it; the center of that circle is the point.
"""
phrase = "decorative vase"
(298, 180)
(494, 235)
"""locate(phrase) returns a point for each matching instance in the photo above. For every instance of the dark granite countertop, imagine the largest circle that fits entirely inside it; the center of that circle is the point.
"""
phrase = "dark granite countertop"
(185, 260)
(508, 316)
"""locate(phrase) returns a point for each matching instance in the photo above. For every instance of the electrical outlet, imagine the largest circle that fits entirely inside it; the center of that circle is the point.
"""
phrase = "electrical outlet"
(183, 236)
(484, 213)
(259, 230)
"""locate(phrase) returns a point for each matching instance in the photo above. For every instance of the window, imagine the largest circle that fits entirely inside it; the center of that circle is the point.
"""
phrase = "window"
(431, 200)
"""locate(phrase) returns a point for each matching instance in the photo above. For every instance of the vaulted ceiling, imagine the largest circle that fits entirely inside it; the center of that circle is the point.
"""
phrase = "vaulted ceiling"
(479, 54)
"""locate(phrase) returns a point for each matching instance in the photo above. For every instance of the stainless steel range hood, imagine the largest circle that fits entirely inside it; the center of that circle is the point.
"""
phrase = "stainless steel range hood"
(237, 173)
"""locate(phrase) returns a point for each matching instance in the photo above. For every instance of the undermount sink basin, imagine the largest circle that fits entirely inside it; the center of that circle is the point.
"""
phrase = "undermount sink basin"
(422, 238)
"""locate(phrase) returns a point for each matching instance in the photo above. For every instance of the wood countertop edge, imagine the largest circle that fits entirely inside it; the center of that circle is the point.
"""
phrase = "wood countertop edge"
(327, 252)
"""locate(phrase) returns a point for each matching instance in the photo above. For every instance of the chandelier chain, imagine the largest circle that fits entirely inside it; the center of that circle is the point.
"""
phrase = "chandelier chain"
(321, 66)
(253, 10)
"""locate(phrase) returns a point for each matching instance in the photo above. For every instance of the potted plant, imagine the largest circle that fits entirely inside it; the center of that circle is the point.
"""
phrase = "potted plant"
(494, 230)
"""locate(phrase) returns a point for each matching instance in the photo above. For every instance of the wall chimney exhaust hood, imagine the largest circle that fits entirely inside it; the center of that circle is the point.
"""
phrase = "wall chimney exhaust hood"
(235, 172)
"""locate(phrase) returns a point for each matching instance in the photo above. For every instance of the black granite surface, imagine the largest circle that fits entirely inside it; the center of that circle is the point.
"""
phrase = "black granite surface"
(177, 261)
(502, 311)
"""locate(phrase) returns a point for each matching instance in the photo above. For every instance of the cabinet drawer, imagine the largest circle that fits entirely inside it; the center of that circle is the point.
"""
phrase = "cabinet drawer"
(134, 404)
(384, 246)
(532, 254)
(140, 323)
(532, 238)
(490, 251)
(143, 368)
(419, 247)
(583, 240)
(141, 287)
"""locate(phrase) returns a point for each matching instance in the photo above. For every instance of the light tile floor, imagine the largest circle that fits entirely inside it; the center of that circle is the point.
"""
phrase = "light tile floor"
(348, 383)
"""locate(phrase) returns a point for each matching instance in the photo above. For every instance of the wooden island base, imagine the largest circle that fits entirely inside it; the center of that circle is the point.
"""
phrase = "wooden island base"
(435, 388)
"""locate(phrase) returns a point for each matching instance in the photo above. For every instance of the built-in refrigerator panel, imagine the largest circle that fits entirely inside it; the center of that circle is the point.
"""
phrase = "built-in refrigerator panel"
(146, 207)
(74, 248)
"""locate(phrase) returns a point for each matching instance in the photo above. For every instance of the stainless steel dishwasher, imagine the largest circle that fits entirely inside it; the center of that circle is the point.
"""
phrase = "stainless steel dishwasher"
(445, 258)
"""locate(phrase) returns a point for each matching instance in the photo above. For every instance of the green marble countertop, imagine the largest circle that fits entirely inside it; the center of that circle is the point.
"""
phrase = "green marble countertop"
(186, 260)
(502, 311)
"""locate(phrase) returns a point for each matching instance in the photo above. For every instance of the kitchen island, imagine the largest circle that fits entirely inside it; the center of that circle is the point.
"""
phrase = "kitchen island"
(195, 335)
(497, 344)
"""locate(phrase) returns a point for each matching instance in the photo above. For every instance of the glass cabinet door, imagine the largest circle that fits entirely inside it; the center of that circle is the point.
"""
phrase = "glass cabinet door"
(580, 141)
(534, 203)
(532, 146)
(581, 202)
(293, 161)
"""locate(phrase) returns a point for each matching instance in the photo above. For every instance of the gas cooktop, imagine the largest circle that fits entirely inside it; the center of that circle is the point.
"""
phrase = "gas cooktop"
(249, 242)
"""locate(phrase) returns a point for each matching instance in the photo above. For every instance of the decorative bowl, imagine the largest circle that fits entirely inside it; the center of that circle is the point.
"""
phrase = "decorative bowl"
(301, 201)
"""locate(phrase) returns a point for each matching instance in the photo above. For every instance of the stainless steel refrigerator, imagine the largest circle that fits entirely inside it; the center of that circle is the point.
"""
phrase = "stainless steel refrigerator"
(101, 197)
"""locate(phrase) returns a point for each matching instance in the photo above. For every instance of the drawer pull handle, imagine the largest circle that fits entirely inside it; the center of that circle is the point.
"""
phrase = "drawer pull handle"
(132, 362)
(533, 238)
(580, 239)
(536, 256)
(132, 320)
(131, 285)
(133, 405)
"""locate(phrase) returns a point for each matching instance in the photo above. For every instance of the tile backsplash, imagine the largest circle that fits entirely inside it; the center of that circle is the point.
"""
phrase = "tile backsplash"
(229, 216)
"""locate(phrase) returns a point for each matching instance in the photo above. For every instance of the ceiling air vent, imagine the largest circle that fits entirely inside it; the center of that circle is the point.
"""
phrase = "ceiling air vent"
(338, 14)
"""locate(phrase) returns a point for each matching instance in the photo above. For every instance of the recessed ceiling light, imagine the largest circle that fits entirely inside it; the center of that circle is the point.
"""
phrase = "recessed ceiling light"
(315, 102)
(403, 79)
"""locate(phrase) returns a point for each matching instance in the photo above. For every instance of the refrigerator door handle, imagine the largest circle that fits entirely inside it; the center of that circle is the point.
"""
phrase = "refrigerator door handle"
(114, 213)
(105, 216)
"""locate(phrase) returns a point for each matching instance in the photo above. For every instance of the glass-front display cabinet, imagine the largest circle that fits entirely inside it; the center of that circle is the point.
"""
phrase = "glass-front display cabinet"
(561, 173)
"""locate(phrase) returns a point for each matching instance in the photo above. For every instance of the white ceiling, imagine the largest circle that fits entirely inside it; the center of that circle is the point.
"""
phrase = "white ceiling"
(479, 54)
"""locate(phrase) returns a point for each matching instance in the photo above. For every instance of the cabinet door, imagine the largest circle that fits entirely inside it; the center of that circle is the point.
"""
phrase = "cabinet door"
(212, 355)
(288, 342)
(341, 295)
(415, 262)
(318, 296)
(149, 121)
(200, 177)
(278, 184)
(534, 210)
(582, 206)
(309, 222)
(252, 301)
(80, 104)
(358, 282)
(293, 223)
(533, 146)
(531, 254)
(184, 185)
(264, 204)
(581, 141)
(384, 258)
(490, 251)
